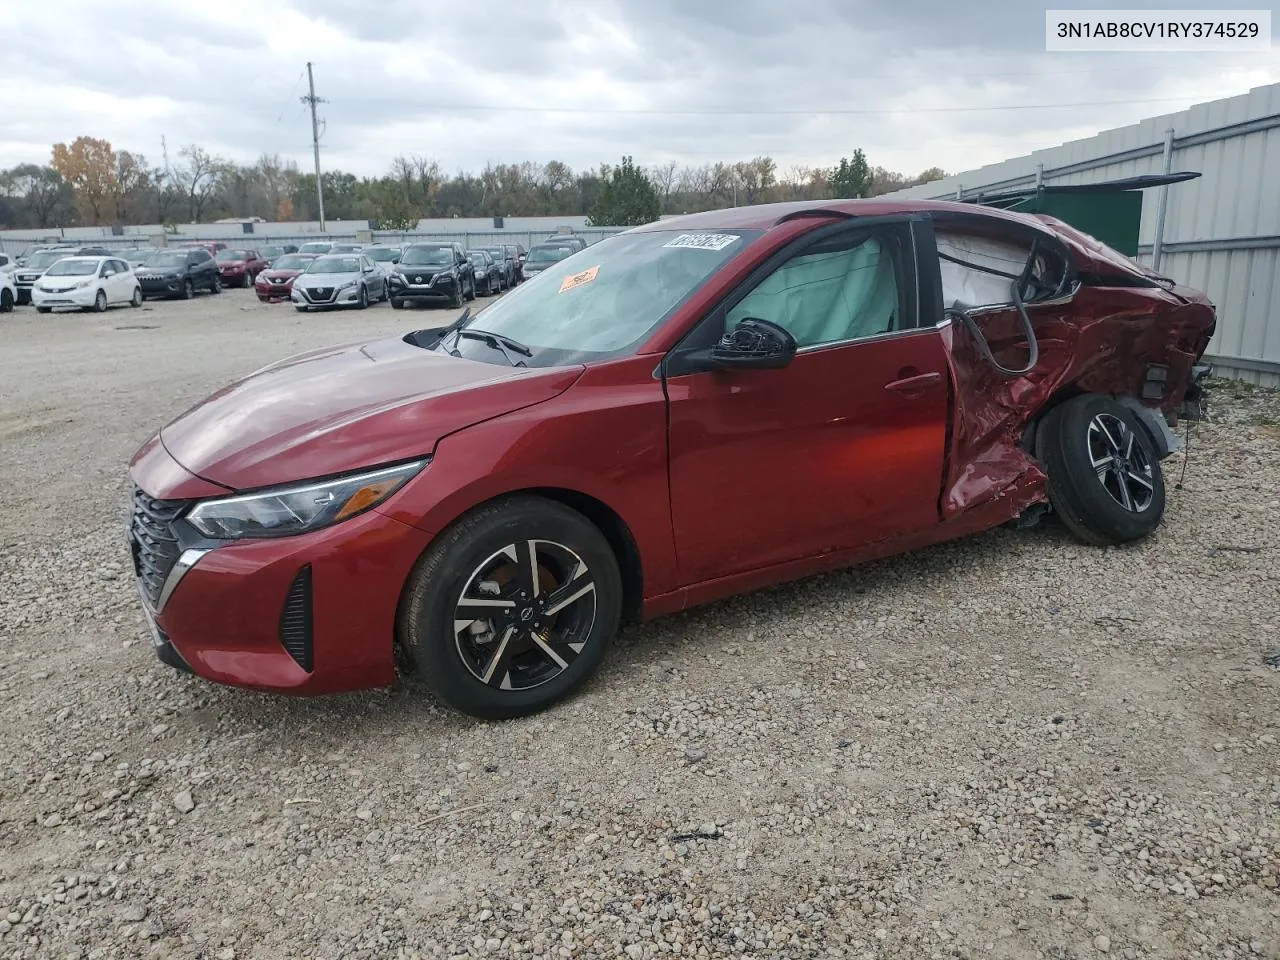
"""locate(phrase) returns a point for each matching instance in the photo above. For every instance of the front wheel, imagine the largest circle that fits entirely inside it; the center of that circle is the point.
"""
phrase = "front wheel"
(1105, 480)
(246, 281)
(188, 289)
(362, 302)
(300, 309)
(216, 285)
(6, 301)
(471, 290)
(512, 608)
(136, 300)
(100, 302)
(456, 300)
(43, 309)
(397, 303)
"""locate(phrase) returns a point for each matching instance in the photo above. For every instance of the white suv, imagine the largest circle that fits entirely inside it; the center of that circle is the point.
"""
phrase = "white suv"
(8, 290)
(90, 283)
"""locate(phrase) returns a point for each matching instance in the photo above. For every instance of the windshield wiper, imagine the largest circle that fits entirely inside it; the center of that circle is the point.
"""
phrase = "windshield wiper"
(504, 345)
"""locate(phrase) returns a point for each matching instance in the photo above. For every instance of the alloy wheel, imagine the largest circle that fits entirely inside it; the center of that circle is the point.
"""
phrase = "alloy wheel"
(1121, 465)
(524, 615)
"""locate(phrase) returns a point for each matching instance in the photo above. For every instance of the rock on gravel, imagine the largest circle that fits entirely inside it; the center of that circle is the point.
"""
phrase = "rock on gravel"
(1011, 745)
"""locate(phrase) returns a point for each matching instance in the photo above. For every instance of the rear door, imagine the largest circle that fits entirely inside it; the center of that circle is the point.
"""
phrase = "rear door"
(843, 447)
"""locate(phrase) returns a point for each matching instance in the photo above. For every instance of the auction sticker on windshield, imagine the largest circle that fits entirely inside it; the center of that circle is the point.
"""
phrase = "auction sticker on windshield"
(578, 279)
(702, 241)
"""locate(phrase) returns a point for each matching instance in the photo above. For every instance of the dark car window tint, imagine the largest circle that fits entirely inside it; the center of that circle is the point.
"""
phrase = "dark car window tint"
(842, 289)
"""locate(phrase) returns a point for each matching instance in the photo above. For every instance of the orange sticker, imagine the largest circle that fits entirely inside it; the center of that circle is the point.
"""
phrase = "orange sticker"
(578, 279)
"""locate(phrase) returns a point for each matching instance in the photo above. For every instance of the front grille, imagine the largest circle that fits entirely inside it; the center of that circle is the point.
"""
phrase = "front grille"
(318, 294)
(295, 620)
(152, 541)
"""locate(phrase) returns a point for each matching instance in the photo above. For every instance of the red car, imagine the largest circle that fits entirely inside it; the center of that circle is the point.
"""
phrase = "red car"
(687, 410)
(212, 246)
(276, 281)
(239, 266)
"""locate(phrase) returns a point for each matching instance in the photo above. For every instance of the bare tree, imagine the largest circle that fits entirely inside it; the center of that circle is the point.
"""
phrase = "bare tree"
(197, 177)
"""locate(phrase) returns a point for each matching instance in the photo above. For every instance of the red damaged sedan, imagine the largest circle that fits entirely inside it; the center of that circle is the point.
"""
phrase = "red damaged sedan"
(687, 410)
(276, 281)
(239, 267)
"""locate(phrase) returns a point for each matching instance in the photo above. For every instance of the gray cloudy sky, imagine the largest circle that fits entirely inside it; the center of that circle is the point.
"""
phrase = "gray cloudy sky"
(582, 81)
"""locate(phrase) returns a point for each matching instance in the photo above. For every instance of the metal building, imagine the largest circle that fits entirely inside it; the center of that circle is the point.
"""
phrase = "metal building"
(1219, 232)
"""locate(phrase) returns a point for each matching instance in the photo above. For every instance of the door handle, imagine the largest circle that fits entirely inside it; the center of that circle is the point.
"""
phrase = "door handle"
(914, 384)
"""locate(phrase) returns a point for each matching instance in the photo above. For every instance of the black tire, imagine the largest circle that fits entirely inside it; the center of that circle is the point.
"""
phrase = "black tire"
(434, 648)
(397, 303)
(246, 281)
(471, 295)
(188, 289)
(362, 302)
(1105, 479)
(215, 285)
(136, 300)
(301, 309)
(43, 309)
(6, 301)
(458, 296)
(100, 302)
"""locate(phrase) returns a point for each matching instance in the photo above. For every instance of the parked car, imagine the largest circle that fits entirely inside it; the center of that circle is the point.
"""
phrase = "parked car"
(8, 291)
(384, 256)
(39, 261)
(317, 247)
(213, 246)
(276, 281)
(87, 283)
(490, 274)
(432, 272)
(338, 280)
(179, 273)
(520, 254)
(272, 251)
(7, 262)
(574, 243)
(136, 256)
(508, 269)
(543, 255)
(669, 422)
(346, 247)
(239, 266)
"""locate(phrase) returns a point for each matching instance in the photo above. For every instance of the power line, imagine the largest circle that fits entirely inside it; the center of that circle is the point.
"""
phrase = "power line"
(834, 111)
(290, 97)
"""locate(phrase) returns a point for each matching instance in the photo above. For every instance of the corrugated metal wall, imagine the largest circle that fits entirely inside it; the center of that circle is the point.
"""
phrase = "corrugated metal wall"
(1221, 231)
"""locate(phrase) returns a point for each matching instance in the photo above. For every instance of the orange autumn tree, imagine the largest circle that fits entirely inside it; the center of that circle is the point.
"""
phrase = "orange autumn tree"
(89, 165)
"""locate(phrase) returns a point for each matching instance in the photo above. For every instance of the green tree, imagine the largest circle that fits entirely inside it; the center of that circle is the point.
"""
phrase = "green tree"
(627, 199)
(851, 178)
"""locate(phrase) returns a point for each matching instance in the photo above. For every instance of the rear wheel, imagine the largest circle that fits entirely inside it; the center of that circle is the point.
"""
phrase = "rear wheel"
(1105, 480)
(511, 609)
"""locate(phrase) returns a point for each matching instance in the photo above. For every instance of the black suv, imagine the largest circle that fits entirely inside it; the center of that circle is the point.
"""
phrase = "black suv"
(179, 273)
(432, 271)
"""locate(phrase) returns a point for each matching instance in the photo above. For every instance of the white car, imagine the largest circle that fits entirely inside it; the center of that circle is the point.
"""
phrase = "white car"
(89, 283)
(8, 290)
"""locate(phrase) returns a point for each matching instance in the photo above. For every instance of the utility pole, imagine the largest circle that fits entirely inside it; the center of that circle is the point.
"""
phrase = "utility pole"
(312, 100)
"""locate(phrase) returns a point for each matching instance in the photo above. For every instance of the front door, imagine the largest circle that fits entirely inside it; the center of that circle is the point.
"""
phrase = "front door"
(844, 446)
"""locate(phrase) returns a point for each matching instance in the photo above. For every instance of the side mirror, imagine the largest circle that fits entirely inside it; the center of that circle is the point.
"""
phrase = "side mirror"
(753, 344)
(395, 259)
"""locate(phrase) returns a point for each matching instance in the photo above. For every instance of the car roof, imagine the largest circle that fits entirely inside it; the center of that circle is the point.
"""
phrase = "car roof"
(338, 256)
(765, 215)
(91, 257)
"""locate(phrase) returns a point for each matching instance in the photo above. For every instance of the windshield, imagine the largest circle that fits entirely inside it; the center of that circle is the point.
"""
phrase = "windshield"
(225, 255)
(335, 265)
(476, 256)
(73, 268)
(316, 247)
(605, 300)
(547, 254)
(291, 261)
(166, 260)
(39, 261)
(496, 252)
(345, 248)
(382, 254)
(415, 256)
(271, 251)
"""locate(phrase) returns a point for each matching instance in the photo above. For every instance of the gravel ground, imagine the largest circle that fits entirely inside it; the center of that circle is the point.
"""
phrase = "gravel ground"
(1009, 746)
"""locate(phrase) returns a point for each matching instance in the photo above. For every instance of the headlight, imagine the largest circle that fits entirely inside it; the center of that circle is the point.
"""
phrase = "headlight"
(286, 511)
(173, 276)
(348, 285)
(82, 284)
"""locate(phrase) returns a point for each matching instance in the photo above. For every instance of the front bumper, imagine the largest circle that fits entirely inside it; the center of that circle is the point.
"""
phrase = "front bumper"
(324, 296)
(443, 288)
(309, 614)
(23, 285)
(267, 290)
(160, 287)
(82, 297)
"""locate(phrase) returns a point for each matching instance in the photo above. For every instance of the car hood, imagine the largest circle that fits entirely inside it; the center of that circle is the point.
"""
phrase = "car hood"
(282, 274)
(347, 407)
(312, 280)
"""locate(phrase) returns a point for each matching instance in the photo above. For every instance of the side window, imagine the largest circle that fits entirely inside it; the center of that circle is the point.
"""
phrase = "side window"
(847, 287)
(979, 268)
(106, 269)
(120, 266)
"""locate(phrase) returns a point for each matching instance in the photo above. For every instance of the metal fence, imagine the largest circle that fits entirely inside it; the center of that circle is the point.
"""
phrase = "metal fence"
(1219, 233)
